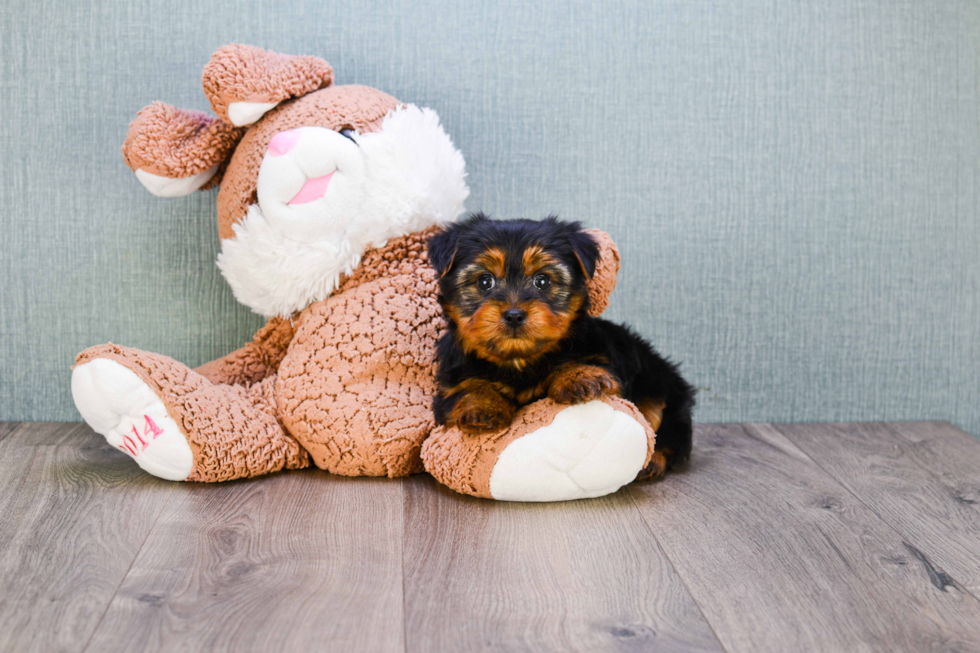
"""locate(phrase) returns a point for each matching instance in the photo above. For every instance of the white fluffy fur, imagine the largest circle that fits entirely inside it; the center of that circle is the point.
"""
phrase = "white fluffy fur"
(413, 178)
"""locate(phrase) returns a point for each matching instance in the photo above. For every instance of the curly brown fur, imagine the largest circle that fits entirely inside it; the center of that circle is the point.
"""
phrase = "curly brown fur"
(516, 297)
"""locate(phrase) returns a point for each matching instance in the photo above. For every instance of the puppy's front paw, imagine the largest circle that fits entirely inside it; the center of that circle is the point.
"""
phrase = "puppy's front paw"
(482, 414)
(576, 384)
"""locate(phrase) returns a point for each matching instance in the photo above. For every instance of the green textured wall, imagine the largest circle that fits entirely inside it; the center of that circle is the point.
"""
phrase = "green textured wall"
(793, 185)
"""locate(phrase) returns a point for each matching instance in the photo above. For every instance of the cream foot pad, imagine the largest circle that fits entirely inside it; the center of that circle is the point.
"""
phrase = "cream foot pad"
(117, 404)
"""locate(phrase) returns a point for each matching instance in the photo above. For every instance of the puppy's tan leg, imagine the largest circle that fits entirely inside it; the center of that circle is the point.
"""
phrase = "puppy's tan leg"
(575, 383)
(653, 411)
(481, 406)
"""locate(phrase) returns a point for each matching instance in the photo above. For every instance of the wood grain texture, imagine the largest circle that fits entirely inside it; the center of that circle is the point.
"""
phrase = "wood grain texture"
(781, 557)
(292, 561)
(51, 434)
(579, 576)
(923, 478)
(73, 516)
(756, 547)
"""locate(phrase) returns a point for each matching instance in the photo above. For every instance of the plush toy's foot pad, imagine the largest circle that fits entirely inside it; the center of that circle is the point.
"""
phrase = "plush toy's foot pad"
(178, 425)
(551, 452)
(589, 450)
(119, 405)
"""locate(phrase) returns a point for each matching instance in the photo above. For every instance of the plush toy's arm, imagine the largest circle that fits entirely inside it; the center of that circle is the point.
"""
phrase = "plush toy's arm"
(603, 281)
(256, 360)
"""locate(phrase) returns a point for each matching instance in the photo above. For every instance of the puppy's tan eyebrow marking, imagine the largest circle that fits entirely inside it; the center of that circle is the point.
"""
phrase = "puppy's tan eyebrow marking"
(535, 258)
(493, 259)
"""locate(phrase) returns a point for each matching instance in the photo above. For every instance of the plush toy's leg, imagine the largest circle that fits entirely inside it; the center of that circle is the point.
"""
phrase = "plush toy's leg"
(256, 360)
(551, 452)
(175, 423)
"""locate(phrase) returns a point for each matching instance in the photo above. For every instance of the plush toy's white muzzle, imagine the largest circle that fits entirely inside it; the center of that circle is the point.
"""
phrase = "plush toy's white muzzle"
(312, 183)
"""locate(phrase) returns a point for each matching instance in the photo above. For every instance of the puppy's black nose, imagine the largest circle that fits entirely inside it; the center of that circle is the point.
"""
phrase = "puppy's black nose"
(514, 317)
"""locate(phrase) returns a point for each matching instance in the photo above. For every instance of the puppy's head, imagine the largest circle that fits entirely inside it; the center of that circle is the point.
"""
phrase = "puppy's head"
(514, 287)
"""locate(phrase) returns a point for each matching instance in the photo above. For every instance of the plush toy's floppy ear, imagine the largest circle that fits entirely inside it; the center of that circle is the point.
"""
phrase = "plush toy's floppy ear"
(603, 280)
(177, 151)
(243, 81)
(442, 250)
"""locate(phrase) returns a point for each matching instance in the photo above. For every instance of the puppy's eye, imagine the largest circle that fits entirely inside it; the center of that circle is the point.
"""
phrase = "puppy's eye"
(542, 281)
(486, 282)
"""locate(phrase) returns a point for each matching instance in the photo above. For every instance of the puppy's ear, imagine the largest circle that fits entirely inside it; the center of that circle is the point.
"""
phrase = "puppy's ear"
(442, 249)
(444, 245)
(586, 251)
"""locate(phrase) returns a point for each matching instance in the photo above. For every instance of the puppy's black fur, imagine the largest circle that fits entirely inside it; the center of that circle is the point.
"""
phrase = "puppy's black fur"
(515, 294)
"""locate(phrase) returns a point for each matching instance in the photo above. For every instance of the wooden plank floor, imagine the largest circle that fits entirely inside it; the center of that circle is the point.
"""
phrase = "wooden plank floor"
(842, 537)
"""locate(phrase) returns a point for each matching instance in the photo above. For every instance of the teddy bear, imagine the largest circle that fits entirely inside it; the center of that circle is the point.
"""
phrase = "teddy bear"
(327, 194)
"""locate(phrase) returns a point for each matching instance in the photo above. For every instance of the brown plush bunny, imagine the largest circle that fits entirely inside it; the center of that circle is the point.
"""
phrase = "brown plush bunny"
(327, 195)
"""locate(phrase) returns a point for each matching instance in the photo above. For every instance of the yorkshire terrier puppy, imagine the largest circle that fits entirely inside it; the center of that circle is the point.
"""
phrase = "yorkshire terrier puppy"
(516, 297)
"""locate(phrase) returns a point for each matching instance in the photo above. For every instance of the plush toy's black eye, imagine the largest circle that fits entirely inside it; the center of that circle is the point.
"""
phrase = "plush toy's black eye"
(542, 281)
(486, 282)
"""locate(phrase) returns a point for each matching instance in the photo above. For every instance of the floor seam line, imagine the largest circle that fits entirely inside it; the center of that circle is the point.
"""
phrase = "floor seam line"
(673, 565)
(132, 562)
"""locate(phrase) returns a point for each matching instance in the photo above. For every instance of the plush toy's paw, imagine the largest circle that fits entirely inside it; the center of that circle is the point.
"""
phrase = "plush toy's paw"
(577, 384)
(550, 453)
(119, 405)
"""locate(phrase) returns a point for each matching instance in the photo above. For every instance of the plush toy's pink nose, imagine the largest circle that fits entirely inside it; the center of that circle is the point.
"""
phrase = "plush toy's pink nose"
(282, 142)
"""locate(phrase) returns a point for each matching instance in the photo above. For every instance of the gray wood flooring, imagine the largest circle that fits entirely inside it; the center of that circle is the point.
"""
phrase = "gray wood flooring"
(807, 537)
